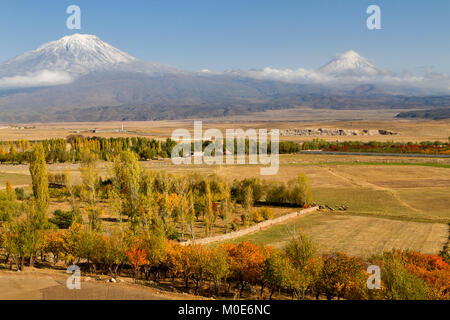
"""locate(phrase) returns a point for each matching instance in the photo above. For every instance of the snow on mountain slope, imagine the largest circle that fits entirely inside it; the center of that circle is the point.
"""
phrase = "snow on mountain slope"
(75, 54)
(349, 63)
(64, 60)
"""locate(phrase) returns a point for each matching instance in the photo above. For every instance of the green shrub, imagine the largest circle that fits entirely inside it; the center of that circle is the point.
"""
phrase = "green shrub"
(266, 213)
(174, 236)
(234, 226)
(445, 254)
(58, 194)
(299, 193)
(20, 193)
(255, 216)
(295, 192)
(9, 207)
(64, 219)
(239, 189)
(399, 284)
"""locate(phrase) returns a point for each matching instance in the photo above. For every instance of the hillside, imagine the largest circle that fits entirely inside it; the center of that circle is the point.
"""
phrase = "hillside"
(434, 114)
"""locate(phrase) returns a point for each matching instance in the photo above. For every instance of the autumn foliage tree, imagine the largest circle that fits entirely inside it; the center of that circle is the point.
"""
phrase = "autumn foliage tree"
(39, 177)
(342, 276)
(246, 262)
(428, 275)
(137, 258)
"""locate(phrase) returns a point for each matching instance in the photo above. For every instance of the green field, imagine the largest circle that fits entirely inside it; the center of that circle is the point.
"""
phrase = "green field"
(356, 235)
(17, 179)
(401, 205)
(405, 204)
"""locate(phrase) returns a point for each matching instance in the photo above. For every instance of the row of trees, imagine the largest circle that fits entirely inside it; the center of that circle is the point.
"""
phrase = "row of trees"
(23, 224)
(73, 148)
(295, 192)
(246, 269)
(425, 147)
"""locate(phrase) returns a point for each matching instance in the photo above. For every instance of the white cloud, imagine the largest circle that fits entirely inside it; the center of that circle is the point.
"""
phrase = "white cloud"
(436, 82)
(350, 69)
(299, 75)
(37, 79)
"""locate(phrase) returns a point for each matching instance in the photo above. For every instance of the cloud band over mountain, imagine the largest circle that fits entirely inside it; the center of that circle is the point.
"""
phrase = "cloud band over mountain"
(61, 62)
(350, 69)
(42, 78)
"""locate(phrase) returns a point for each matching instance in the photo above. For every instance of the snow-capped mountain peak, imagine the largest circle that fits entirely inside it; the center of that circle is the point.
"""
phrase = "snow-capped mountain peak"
(349, 62)
(75, 54)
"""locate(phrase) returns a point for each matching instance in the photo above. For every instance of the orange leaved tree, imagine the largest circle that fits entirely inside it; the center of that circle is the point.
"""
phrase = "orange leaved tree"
(247, 262)
(137, 258)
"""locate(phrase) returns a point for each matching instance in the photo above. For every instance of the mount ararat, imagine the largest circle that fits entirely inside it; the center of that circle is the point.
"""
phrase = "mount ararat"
(82, 78)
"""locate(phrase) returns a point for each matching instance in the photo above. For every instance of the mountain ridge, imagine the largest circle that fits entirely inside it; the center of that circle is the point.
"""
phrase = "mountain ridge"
(75, 54)
(80, 74)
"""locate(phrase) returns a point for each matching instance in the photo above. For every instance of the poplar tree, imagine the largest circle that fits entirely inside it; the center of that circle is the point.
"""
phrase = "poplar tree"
(89, 174)
(247, 203)
(209, 221)
(9, 189)
(191, 215)
(127, 181)
(90, 178)
(39, 177)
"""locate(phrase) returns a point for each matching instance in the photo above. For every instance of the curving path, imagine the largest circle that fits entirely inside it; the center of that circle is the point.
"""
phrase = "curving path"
(252, 229)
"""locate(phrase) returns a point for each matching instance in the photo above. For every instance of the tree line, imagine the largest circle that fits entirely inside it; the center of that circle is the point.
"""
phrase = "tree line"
(240, 270)
(425, 147)
(72, 149)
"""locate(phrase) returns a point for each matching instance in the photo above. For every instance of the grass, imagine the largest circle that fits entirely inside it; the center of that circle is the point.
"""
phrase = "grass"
(401, 205)
(376, 163)
(16, 179)
(356, 235)
(384, 204)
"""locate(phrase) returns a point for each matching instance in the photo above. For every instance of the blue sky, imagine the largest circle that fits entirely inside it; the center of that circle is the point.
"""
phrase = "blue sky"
(244, 34)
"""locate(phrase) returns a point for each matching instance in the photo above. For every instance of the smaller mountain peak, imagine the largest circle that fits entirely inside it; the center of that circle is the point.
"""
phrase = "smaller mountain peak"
(349, 62)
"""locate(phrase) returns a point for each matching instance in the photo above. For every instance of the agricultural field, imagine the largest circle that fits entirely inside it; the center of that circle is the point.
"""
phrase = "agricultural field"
(401, 198)
(388, 206)
(367, 205)
(296, 118)
(17, 179)
(356, 235)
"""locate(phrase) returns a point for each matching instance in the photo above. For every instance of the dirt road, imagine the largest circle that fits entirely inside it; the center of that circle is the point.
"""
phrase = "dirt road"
(51, 285)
